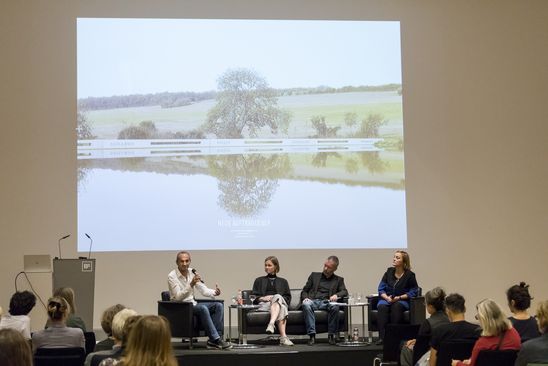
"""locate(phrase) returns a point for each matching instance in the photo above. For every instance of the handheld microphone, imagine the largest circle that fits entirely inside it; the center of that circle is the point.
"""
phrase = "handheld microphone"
(90, 244)
(194, 273)
(59, 244)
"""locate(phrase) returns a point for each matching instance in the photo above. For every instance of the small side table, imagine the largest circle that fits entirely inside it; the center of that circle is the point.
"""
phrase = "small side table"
(350, 342)
(241, 311)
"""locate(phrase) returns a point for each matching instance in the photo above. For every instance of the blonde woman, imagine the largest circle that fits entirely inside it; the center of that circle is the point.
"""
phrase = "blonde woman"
(497, 332)
(149, 343)
(58, 335)
(536, 350)
(273, 295)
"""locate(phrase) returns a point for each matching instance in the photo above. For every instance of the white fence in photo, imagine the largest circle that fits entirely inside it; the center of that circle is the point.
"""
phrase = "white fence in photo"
(116, 149)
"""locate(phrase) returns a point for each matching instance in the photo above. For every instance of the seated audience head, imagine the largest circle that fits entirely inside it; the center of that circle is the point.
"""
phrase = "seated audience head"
(454, 306)
(58, 309)
(66, 293)
(128, 326)
(14, 349)
(108, 315)
(518, 297)
(492, 320)
(22, 302)
(542, 317)
(149, 343)
(119, 321)
(435, 300)
(401, 259)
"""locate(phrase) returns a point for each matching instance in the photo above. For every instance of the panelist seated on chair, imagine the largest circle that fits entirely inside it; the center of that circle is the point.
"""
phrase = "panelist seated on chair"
(398, 285)
(58, 335)
(182, 282)
(320, 292)
(273, 295)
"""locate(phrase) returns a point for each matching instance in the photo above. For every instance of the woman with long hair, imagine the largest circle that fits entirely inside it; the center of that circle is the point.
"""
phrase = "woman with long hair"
(397, 286)
(273, 295)
(14, 349)
(519, 300)
(149, 343)
(497, 332)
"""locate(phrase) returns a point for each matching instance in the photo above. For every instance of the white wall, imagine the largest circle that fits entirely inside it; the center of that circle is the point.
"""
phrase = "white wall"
(476, 143)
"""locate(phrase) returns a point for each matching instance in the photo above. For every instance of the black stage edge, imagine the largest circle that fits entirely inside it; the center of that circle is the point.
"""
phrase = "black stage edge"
(274, 355)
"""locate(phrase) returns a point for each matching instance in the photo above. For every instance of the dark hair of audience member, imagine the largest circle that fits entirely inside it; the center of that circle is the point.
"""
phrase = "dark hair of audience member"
(58, 308)
(14, 349)
(436, 298)
(455, 303)
(520, 296)
(149, 343)
(22, 302)
(108, 315)
(68, 294)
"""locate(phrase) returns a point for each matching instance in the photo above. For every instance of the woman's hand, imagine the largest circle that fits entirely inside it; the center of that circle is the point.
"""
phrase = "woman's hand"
(265, 298)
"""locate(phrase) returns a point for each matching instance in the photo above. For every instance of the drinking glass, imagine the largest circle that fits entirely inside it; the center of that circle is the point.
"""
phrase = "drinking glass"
(252, 298)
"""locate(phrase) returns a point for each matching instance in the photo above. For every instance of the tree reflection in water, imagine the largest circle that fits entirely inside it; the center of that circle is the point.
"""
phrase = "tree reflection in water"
(320, 159)
(248, 182)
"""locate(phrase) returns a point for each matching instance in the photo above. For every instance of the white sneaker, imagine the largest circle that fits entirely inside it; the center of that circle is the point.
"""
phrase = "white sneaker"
(270, 328)
(285, 341)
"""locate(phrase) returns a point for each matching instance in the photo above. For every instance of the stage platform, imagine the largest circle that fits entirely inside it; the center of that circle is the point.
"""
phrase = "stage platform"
(271, 354)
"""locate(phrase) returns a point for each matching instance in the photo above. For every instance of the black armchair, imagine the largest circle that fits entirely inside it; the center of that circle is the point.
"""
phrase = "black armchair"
(415, 315)
(71, 356)
(183, 323)
(90, 342)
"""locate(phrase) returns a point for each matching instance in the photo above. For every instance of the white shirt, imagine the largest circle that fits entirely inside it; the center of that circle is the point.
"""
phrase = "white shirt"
(20, 323)
(180, 289)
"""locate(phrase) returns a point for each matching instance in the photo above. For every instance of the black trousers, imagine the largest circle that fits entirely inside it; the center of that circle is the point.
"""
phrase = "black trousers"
(392, 314)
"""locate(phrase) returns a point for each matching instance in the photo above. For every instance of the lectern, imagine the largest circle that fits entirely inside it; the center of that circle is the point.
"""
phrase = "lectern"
(78, 274)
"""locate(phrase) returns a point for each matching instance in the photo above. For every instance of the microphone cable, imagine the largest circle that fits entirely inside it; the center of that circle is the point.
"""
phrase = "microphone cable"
(31, 287)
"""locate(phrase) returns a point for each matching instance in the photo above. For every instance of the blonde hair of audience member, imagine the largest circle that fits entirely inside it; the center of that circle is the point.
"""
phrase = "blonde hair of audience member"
(492, 320)
(149, 343)
(119, 321)
(542, 316)
(14, 349)
(68, 294)
(58, 309)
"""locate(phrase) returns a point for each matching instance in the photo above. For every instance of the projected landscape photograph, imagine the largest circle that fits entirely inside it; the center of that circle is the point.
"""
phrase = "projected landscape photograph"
(239, 134)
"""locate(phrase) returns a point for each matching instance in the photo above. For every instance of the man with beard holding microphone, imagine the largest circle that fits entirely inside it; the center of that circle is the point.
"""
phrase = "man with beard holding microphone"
(182, 282)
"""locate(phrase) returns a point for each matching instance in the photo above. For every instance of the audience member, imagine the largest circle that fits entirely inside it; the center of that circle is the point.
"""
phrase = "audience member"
(273, 295)
(14, 349)
(182, 281)
(106, 323)
(321, 292)
(117, 326)
(519, 300)
(21, 303)
(397, 286)
(457, 330)
(435, 306)
(73, 321)
(536, 350)
(58, 335)
(149, 344)
(128, 326)
(497, 332)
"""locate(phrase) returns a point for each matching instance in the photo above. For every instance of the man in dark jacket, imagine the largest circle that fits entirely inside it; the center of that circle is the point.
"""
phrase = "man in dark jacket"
(321, 292)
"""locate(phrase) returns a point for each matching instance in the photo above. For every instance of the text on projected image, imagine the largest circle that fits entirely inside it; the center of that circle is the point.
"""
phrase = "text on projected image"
(240, 134)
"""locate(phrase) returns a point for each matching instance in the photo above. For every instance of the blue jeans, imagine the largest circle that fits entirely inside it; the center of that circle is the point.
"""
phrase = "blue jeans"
(211, 315)
(310, 319)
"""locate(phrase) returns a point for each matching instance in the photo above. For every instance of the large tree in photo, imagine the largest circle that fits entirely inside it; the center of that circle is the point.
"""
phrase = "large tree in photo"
(245, 104)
